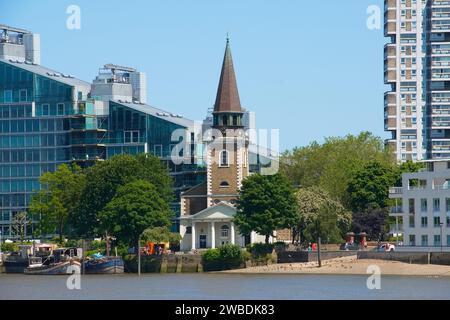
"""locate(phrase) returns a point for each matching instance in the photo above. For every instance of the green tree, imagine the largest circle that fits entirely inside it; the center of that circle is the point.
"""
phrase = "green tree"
(105, 178)
(19, 224)
(369, 187)
(406, 167)
(324, 225)
(136, 207)
(266, 204)
(373, 221)
(160, 235)
(56, 204)
(331, 165)
(310, 203)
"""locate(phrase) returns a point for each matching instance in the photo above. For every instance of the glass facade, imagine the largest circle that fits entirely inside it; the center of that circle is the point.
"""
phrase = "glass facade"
(34, 136)
(132, 131)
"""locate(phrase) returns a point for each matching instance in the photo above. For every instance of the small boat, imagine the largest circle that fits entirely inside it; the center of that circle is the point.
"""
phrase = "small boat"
(37, 267)
(16, 262)
(60, 262)
(97, 264)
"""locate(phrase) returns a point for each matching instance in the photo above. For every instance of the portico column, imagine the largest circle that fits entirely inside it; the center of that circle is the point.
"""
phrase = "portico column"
(213, 235)
(232, 233)
(193, 236)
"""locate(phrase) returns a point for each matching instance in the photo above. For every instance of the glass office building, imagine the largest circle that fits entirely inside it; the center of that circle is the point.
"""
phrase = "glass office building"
(36, 105)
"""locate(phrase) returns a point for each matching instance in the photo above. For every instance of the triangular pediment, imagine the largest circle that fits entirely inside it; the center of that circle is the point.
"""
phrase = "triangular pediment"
(221, 211)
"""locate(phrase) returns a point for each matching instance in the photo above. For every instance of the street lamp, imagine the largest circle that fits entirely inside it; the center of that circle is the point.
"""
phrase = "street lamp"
(139, 255)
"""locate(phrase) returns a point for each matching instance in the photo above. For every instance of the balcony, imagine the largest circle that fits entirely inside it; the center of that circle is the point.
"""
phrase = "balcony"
(397, 210)
(88, 141)
(438, 3)
(390, 111)
(391, 144)
(390, 124)
(390, 28)
(390, 76)
(396, 192)
(390, 5)
(88, 156)
(444, 186)
(390, 50)
(396, 229)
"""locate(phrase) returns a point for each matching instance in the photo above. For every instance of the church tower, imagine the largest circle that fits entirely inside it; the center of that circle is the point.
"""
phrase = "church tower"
(227, 156)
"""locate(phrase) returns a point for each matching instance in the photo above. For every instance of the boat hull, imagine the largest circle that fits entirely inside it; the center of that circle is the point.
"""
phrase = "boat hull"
(104, 266)
(17, 266)
(63, 268)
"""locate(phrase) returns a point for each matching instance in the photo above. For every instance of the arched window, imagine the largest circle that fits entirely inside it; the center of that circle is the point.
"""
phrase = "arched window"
(224, 184)
(224, 231)
(224, 161)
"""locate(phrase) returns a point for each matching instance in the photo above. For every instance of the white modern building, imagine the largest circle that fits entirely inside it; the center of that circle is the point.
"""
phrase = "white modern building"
(417, 69)
(423, 206)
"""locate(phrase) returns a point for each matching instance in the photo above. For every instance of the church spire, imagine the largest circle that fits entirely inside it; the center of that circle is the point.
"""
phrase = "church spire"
(227, 99)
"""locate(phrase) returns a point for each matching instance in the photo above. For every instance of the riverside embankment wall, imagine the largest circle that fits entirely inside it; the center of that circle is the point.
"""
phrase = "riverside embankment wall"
(409, 257)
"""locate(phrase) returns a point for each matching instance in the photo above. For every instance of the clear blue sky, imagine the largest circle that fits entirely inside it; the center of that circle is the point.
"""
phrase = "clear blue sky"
(310, 68)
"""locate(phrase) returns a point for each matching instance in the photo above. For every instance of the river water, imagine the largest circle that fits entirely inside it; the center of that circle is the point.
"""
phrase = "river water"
(219, 286)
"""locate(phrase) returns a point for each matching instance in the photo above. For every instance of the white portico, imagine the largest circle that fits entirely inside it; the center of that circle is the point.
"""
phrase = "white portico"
(211, 228)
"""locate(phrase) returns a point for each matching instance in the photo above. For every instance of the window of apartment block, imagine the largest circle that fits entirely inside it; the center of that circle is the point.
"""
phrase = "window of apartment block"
(436, 205)
(448, 220)
(8, 96)
(412, 240)
(437, 222)
(423, 205)
(411, 204)
(60, 109)
(437, 240)
(23, 95)
(424, 242)
(412, 223)
(424, 222)
(448, 241)
(158, 150)
(131, 136)
(45, 109)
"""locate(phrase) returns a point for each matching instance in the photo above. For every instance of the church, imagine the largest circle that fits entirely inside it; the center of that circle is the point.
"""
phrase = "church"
(207, 210)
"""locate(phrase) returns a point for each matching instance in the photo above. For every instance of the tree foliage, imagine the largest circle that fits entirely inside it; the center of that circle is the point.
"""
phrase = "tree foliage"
(56, 204)
(331, 165)
(266, 204)
(372, 221)
(19, 224)
(324, 225)
(105, 178)
(312, 203)
(369, 186)
(135, 207)
(160, 235)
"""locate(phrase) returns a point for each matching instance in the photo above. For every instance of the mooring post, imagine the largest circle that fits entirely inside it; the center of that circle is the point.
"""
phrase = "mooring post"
(318, 252)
